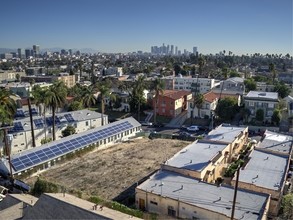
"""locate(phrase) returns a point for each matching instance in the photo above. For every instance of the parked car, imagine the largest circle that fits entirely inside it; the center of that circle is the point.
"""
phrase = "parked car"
(193, 128)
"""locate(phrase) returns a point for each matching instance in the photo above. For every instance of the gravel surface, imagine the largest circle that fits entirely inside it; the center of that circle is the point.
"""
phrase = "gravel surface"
(106, 173)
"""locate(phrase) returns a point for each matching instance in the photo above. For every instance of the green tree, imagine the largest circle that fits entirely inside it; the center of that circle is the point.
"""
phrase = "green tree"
(234, 73)
(177, 69)
(7, 107)
(17, 76)
(287, 206)
(276, 117)
(75, 106)
(201, 64)
(282, 89)
(227, 108)
(46, 140)
(137, 95)
(69, 130)
(250, 84)
(259, 115)
(55, 98)
(87, 96)
(158, 87)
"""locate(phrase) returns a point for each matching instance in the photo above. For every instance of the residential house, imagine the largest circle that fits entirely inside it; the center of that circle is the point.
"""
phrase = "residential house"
(289, 105)
(234, 85)
(267, 101)
(172, 102)
(286, 77)
(174, 195)
(210, 104)
(264, 87)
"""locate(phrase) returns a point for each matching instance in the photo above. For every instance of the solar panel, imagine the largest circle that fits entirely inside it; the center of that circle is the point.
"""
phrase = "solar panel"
(17, 126)
(69, 117)
(55, 150)
(39, 123)
(49, 120)
(34, 111)
(19, 113)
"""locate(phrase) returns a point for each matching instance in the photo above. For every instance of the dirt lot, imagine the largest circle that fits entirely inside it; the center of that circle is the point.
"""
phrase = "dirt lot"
(106, 173)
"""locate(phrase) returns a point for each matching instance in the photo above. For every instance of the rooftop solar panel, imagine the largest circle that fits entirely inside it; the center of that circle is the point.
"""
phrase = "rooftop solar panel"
(17, 126)
(58, 149)
(69, 117)
(39, 123)
(19, 113)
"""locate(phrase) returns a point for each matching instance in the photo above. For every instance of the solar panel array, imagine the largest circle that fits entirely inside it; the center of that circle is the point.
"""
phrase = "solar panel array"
(17, 126)
(19, 113)
(34, 111)
(42, 155)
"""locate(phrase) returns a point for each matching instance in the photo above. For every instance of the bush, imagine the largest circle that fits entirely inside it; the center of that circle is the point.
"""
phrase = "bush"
(43, 186)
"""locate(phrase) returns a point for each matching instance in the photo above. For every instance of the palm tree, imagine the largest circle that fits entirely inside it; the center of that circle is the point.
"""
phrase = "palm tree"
(7, 112)
(137, 92)
(201, 63)
(158, 87)
(104, 89)
(88, 96)
(39, 95)
(55, 98)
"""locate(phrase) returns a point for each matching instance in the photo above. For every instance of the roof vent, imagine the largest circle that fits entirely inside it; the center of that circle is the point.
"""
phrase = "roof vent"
(262, 94)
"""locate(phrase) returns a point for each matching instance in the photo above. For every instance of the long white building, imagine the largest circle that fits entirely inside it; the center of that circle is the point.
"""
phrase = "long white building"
(82, 120)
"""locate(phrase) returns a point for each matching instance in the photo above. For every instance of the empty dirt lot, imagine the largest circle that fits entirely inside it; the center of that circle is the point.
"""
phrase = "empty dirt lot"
(106, 173)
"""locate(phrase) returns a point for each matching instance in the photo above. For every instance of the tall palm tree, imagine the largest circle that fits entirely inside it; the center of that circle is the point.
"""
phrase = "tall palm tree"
(158, 87)
(104, 90)
(137, 92)
(7, 112)
(201, 64)
(55, 98)
(39, 96)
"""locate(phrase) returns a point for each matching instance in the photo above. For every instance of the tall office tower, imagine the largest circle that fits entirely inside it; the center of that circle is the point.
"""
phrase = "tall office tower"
(176, 50)
(172, 50)
(194, 50)
(19, 52)
(179, 52)
(152, 49)
(185, 52)
(164, 48)
(70, 52)
(27, 53)
(36, 49)
(63, 52)
(168, 49)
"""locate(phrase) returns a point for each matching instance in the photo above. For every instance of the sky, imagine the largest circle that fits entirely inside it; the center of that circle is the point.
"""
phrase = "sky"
(240, 26)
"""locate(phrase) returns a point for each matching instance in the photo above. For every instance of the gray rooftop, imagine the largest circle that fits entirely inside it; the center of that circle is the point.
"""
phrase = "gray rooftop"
(224, 133)
(276, 142)
(265, 170)
(196, 156)
(262, 95)
(249, 205)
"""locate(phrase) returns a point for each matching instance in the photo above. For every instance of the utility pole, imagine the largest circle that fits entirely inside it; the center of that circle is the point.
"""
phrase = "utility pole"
(235, 192)
(31, 120)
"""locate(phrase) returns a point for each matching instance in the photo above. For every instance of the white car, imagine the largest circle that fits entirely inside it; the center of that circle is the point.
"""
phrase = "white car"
(192, 128)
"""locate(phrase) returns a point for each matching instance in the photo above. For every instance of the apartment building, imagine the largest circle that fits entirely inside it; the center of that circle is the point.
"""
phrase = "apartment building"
(201, 85)
(234, 85)
(172, 102)
(8, 76)
(267, 101)
(173, 195)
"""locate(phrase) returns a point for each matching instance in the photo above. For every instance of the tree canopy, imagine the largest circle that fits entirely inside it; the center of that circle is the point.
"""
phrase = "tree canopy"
(227, 108)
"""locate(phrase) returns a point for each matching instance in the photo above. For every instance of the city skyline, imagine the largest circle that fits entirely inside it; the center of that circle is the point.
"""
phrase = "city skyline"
(243, 27)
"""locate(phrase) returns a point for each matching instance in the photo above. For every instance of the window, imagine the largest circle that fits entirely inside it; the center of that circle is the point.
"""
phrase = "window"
(251, 103)
(86, 123)
(171, 211)
(154, 203)
(271, 105)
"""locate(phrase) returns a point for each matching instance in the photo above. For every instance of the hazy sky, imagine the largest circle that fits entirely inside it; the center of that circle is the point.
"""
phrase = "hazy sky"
(241, 26)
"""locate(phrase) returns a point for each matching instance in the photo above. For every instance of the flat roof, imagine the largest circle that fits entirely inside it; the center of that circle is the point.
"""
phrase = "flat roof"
(224, 133)
(262, 95)
(23, 124)
(276, 142)
(265, 170)
(249, 205)
(52, 150)
(196, 156)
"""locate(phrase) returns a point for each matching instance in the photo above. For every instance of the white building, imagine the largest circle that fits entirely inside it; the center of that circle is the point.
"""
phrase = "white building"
(118, 71)
(202, 85)
(234, 85)
(82, 120)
